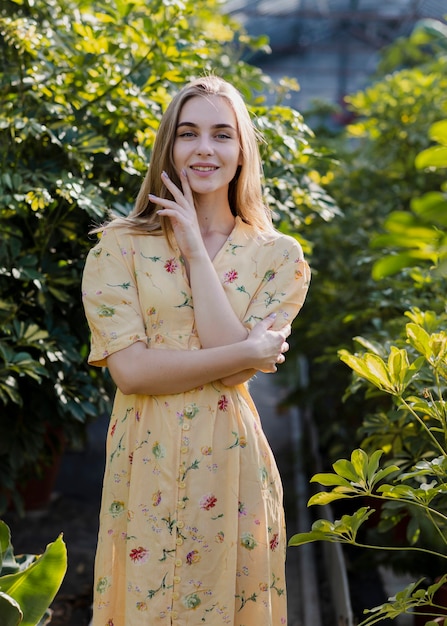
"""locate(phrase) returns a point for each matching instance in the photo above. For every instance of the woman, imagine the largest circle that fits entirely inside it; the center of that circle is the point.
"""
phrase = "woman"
(187, 298)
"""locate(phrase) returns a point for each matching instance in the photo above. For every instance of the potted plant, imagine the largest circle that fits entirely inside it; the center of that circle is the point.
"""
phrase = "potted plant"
(29, 583)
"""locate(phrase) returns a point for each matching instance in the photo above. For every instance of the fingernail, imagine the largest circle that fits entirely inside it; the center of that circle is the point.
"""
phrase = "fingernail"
(183, 171)
(164, 174)
(151, 196)
(273, 315)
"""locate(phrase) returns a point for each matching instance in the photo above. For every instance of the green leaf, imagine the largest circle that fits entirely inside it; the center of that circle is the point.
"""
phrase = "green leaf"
(431, 207)
(326, 497)
(435, 156)
(438, 132)
(10, 612)
(419, 339)
(35, 587)
(330, 480)
(369, 366)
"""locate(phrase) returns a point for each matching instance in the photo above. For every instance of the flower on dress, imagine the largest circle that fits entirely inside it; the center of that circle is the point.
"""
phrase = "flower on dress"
(103, 584)
(141, 606)
(171, 266)
(192, 601)
(242, 441)
(248, 541)
(139, 555)
(263, 586)
(208, 502)
(131, 458)
(112, 430)
(222, 403)
(158, 450)
(241, 509)
(116, 508)
(269, 275)
(219, 538)
(192, 557)
(206, 450)
(156, 498)
(110, 622)
(230, 276)
(274, 542)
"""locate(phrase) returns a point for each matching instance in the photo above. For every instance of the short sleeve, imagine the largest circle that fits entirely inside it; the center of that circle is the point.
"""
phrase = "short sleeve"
(283, 286)
(110, 298)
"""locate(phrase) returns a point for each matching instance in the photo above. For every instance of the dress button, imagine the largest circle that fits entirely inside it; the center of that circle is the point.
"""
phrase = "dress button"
(178, 562)
(186, 426)
(177, 579)
(182, 484)
(184, 449)
(180, 524)
(174, 615)
(179, 541)
(175, 596)
(180, 504)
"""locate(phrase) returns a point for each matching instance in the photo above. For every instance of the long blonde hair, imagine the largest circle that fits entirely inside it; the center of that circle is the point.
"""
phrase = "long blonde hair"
(245, 190)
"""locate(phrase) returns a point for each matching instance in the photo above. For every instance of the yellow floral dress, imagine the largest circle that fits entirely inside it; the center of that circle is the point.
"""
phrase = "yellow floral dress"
(191, 525)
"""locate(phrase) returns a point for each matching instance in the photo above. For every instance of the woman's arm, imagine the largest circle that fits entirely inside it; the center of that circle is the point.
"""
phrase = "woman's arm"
(216, 322)
(151, 371)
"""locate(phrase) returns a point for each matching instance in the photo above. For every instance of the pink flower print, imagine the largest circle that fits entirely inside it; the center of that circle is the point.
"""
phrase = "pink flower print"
(274, 542)
(230, 276)
(208, 502)
(206, 450)
(222, 403)
(137, 416)
(171, 266)
(263, 586)
(156, 498)
(110, 622)
(112, 430)
(219, 538)
(141, 606)
(192, 557)
(139, 555)
(131, 458)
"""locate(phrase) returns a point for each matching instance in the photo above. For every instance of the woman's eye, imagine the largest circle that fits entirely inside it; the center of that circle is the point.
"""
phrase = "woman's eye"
(223, 136)
(186, 134)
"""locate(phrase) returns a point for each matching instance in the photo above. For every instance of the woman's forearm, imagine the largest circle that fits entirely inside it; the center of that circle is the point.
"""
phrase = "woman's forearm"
(150, 371)
(216, 322)
(156, 371)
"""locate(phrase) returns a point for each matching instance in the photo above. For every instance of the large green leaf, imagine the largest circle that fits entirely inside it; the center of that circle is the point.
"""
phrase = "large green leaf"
(35, 587)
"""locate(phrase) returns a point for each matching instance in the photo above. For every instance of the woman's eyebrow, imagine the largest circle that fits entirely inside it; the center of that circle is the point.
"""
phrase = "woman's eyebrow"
(214, 126)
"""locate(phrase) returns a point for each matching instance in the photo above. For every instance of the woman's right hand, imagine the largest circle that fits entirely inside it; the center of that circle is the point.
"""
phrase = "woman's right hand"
(267, 346)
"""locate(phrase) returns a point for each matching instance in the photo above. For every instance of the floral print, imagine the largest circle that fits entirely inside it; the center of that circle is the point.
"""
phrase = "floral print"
(191, 525)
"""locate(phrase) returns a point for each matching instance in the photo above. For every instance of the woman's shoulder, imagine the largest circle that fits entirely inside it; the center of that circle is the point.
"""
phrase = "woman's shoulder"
(122, 237)
(273, 239)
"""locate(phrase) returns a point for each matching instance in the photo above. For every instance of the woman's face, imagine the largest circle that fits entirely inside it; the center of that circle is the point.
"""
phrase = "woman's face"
(207, 144)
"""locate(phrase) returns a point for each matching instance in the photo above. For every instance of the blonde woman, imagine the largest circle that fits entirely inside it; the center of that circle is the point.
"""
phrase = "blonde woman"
(187, 298)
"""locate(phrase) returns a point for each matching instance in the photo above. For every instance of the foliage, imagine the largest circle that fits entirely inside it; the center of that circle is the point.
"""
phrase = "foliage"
(82, 87)
(384, 254)
(28, 583)
(414, 479)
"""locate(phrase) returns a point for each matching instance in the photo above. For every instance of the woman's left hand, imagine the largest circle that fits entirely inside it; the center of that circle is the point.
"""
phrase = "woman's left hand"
(182, 213)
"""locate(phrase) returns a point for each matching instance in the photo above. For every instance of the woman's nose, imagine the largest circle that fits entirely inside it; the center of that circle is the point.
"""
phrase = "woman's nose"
(204, 145)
